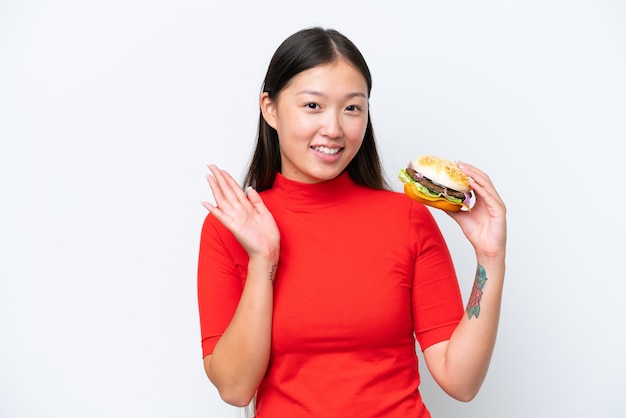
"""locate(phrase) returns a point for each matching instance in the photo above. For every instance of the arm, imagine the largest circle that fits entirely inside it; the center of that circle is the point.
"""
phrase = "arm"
(460, 364)
(240, 358)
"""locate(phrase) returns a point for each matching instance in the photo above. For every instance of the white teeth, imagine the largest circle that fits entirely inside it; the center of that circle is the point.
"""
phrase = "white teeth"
(326, 150)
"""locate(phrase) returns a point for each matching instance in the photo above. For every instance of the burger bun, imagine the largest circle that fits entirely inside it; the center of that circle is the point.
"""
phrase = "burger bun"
(443, 172)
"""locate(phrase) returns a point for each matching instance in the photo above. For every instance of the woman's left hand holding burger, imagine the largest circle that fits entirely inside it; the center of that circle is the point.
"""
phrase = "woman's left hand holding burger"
(485, 224)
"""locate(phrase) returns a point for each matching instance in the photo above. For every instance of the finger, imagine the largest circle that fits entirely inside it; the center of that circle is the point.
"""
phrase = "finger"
(481, 183)
(230, 189)
(476, 175)
(222, 193)
(220, 189)
(224, 202)
(219, 183)
(213, 208)
(215, 187)
(209, 206)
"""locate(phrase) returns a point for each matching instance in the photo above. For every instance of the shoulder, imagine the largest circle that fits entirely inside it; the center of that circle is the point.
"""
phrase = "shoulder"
(211, 224)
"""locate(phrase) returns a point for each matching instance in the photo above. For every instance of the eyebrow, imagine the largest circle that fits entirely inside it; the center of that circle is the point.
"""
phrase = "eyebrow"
(317, 93)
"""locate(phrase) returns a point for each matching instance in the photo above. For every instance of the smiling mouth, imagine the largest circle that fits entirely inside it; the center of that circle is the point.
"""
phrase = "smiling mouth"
(327, 150)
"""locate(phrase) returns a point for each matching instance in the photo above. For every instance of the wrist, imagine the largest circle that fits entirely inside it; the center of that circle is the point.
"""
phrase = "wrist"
(494, 258)
(494, 266)
(263, 267)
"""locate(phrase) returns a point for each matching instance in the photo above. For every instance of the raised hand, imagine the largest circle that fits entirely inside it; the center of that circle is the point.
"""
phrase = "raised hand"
(485, 225)
(244, 214)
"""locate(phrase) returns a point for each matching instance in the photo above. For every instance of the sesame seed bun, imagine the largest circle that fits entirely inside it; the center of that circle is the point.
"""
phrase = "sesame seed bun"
(443, 172)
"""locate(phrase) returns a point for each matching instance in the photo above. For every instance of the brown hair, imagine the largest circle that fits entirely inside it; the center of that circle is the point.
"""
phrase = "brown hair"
(305, 49)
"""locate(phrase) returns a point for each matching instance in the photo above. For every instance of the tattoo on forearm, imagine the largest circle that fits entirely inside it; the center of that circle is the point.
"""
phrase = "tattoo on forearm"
(473, 305)
(272, 272)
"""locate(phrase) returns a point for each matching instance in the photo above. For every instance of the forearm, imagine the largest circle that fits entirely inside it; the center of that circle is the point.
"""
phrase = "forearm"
(460, 364)
(240, 358)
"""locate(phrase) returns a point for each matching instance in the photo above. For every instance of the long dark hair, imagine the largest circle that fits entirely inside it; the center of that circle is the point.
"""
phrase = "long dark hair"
(305, 49)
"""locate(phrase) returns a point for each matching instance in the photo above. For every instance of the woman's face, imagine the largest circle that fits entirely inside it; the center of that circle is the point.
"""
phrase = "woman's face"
(320, 118)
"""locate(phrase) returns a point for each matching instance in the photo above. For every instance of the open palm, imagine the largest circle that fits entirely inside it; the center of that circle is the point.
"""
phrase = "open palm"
(243, 213)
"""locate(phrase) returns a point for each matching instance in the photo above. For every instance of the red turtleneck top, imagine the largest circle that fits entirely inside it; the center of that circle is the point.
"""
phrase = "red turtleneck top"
(362, 274)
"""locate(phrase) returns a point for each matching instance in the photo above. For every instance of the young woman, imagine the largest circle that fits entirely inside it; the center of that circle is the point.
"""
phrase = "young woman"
(316, 280)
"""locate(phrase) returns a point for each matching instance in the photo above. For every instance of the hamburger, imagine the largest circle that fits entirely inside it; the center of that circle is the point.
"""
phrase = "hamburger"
(437, 182)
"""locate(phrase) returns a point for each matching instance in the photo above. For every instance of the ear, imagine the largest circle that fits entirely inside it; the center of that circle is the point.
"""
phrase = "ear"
(268, 109)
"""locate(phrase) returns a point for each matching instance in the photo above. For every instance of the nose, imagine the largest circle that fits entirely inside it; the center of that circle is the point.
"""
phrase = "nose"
(331, 125)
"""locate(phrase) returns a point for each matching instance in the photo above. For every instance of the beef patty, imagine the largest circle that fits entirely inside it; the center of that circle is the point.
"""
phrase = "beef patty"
(431, 185)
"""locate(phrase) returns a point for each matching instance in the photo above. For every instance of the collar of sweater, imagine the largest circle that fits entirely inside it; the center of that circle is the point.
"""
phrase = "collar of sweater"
(296, 195)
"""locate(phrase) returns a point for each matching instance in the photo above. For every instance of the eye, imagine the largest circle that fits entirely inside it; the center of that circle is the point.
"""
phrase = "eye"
(312, 106)
(353, 108)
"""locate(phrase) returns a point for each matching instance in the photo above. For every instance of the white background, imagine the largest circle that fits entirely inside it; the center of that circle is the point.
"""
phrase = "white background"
(110, 111)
